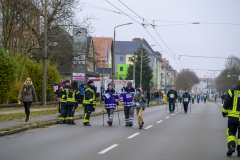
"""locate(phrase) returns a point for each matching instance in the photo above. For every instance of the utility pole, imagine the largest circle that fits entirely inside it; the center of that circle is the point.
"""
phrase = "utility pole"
(113, 59)
(161, 82)
(134, 61)
(44, 96)
(141, 64)
(101, 79)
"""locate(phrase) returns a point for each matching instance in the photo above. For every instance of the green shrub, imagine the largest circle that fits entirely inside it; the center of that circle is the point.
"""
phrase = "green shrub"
(8, 74)
(11, 70)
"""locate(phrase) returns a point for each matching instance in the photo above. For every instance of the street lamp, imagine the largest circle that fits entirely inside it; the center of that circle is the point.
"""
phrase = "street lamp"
(113, 54)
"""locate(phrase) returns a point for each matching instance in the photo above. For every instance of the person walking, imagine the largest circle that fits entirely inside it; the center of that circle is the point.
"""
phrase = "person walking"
(126, 100)
(223, 97)
(160, 95)
(180, 98)
(26, 95)
(63, 102)
(111, 100)
(148, 97)
(193, 96)
(205, 98)
(186, 100)
(88, 101)
(81, 89)
(231, 109)
(198, 98)
(215, 97)
(172, 97)
(156, 96)
(139, 101)
(73, 97)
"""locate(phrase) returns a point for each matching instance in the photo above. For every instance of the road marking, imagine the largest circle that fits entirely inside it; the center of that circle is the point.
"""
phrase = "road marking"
(133, 135)
(173, 114)
(108, 149)
(167, 117)
(148, 127)
(160, 121)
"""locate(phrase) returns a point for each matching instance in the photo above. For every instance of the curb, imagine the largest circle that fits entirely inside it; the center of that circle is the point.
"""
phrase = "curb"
(49, 123)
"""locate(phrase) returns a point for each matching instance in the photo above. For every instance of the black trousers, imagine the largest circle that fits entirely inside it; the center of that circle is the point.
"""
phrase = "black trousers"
(71, 111)
(88, 108)
(64, 111)
(231, 133)
(193, 101)
(185, 107)
(81, 98)
(27, 106)
(180, 100)
(197, 100)
(205, 100)
(171, 103)
(59, 107)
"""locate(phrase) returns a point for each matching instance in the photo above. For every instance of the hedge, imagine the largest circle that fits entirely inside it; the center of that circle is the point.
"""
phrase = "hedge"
(11, 70)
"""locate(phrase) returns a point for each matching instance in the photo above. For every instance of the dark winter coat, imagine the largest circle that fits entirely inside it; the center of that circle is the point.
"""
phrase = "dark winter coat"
(172, 92)
(186, 95)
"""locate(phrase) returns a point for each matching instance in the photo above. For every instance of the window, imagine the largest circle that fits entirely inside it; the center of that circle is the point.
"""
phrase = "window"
(121, 69)
(121, 58)
(129, 59)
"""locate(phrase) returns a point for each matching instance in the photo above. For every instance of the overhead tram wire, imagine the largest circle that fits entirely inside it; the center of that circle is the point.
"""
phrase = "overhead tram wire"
(155, 31)
(205, 57)
(123, 12)
(141, 25)
(186, 22)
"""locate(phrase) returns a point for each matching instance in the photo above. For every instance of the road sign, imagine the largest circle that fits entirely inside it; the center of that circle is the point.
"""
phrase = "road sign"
(79, 74)
(78, 78)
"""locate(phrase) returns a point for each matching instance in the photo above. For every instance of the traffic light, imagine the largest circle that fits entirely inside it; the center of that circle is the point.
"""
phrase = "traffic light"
(228, 74)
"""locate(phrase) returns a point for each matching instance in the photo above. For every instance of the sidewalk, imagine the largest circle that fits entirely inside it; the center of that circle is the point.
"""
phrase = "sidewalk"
(21, 122)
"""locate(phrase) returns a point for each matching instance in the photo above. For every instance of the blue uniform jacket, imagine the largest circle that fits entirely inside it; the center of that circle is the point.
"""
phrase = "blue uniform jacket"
(110, 102)
(186, 95)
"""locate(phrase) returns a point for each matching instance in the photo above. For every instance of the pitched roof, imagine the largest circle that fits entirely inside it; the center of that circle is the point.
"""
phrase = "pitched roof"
(126, 47)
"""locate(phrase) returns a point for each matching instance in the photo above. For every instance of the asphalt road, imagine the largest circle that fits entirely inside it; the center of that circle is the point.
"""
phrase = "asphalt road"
(199, 135)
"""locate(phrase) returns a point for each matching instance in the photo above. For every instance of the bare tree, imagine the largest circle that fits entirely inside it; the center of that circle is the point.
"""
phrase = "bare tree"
(232, 65)
(186, 79)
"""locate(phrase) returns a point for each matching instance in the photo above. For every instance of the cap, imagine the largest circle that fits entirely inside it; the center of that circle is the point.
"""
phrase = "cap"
(67, 81)
(129, 84)
(90, 81)
(109, 84)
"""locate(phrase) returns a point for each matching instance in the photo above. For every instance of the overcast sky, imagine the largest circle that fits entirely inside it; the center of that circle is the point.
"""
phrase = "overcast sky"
(213, 40)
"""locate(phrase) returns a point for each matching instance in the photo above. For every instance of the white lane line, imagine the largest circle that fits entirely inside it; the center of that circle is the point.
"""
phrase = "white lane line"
(148, 127)
(133, 135)
(108, 149)
(160, 121)
(167, 117)
(173, 114)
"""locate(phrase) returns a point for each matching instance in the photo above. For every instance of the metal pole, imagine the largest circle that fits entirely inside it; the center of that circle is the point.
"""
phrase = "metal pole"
(134, 61)
(113, 59)
(101, 79)
(45, 59)
(141, 65)
(161, 82)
